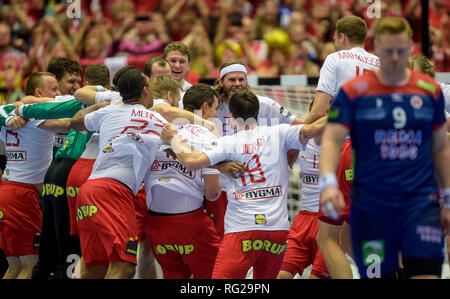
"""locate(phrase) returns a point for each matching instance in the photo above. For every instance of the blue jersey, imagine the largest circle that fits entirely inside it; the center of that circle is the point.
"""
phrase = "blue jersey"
(391, 129)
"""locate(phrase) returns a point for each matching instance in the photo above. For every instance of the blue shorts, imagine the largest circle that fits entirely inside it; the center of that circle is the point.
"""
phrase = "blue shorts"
(378, 237)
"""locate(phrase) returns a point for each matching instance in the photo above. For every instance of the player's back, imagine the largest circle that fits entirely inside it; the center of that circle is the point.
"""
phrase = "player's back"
(28, 151)
(344, 65)
(121, 158)
(309, 165)
(257, 200)
(391, 129)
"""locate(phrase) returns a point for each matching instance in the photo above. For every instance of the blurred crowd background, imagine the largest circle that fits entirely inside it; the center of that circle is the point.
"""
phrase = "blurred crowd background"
(273, 37)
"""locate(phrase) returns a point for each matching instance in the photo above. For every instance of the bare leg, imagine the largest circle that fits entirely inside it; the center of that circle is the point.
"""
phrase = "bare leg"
(94, 272)
(146, 268)
(121, 270)
(335, 259)
(15, 265)
(28, 262)
(284, 275)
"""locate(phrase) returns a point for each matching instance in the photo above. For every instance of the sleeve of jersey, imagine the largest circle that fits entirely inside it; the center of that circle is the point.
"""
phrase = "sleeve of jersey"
(218, 150)
(341, 109)
(206, 138)
(439, 115)
(107, 95)
(272, 110)
(50, 110)
(91, 121)
(328, 78)
(292, 140)
(6, 112)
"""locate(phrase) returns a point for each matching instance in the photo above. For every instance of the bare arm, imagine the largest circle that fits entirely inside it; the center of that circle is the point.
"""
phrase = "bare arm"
(441, 153)
(230, 168)
(61, 125)
(212, 186)
(190, 158)
(180, 116)
(77, 121)
(322, 103)
(313, 130)
(332, 140)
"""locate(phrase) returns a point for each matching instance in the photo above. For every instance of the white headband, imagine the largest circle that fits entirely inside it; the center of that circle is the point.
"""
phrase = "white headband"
(233, 68)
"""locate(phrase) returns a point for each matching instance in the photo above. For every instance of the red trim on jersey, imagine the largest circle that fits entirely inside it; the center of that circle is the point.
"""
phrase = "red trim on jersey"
(370, 84)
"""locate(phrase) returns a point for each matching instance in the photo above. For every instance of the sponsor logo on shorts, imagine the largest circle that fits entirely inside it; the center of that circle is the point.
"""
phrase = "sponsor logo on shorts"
(16, 156)
(1, 214)
(72, 191)
(348, 174)
(259, 193)
(37, 240)
(429, 234)
(52, 189)
(260, 219)
(86, 211)
(372, 247)
(266, 245)
(185, 249)
(132, 245)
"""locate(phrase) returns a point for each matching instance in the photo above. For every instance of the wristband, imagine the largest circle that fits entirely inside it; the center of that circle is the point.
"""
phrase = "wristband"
(446, 198)
(328, 180)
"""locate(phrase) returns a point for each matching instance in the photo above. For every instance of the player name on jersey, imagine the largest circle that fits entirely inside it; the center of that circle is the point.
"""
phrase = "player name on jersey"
(259, 193)
(365, 59)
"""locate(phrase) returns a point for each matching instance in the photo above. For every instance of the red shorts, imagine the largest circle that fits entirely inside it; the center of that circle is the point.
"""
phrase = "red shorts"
(20, 219)
(345, 178)
(78, 175)
(140, 206)
(184, 244)
(216, 211)
(262, 250)
(106, 222)
(302, 249)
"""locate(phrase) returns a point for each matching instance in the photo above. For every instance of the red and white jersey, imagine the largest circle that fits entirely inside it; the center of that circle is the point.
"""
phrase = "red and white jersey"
(270, 113)
(309, 165)
(257, 200)
(28, 151)
(91, 150)
(125, 160)
(187, 187)
(344, 65)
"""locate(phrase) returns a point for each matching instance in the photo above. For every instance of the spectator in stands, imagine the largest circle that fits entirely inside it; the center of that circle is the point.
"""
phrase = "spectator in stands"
(302, 51)
(5, 44)
(145, 38)
(10, 79)
(267, 17)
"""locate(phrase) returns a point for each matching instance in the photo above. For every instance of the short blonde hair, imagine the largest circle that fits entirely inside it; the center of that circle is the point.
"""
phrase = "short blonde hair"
(163, 84)
(393, 25)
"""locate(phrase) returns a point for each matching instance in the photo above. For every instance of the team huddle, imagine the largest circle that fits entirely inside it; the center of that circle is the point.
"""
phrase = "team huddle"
(196, 178)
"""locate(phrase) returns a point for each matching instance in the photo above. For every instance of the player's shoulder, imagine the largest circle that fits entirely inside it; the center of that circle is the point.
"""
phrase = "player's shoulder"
(360, 84)
(425, 83)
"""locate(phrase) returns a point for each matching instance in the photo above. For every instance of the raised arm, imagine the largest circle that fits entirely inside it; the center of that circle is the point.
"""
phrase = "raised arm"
(77, 121)
(321, 105)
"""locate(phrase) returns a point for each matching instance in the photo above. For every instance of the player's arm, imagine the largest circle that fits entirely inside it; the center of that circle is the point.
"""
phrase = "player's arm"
(88, 94)
(441, 153)
(190, 158)
(181, 116)
(332, 140)
(50, 110)
(56, 125)
(313, 130)
(77, 121)
(212, 186)
(320, 107)
(232, 168)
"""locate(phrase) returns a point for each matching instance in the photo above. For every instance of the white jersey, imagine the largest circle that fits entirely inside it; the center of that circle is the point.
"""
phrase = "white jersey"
(186, 85)
(446, 92)
(270, 113)
(108, 95)
(28, 151)
(309, 165)
(257, 200)
(91, 150)
(124, 161)
(167, 173)
(344, 65)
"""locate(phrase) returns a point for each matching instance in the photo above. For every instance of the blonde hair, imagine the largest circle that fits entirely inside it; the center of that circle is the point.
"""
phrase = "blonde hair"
(393, 25)
(163, 84)
(424, 64)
